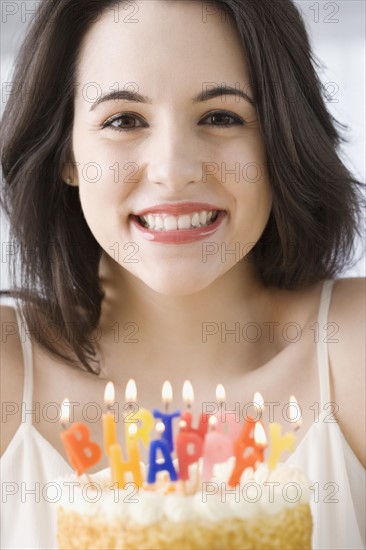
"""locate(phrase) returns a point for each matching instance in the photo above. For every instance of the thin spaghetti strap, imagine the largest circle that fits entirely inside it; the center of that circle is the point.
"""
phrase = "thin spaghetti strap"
(28, 365)
(322, 346)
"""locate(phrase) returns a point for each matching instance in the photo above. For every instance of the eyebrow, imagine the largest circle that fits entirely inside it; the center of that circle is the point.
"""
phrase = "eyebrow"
(205, 95)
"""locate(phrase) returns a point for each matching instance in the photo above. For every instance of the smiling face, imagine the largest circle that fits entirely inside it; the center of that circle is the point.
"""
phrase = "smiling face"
(195, 169)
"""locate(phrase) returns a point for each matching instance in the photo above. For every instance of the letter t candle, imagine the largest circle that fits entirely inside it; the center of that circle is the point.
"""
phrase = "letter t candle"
(167, 418)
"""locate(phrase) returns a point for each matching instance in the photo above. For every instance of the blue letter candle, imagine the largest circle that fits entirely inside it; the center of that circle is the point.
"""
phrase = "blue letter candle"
(167, 420)
(155, 467)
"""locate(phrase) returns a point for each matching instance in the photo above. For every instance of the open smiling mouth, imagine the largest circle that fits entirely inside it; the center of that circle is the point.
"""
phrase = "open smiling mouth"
(167, 222)
(171, 229)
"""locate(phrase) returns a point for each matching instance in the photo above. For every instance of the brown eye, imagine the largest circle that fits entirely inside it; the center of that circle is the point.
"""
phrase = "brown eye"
(223, 119)
(124, 122)
(127, 121)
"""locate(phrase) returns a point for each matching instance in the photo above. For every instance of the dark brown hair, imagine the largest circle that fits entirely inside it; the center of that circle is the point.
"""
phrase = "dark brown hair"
(316, 201)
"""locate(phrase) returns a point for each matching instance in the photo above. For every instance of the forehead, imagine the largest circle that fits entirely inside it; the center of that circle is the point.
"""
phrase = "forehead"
(164, 46)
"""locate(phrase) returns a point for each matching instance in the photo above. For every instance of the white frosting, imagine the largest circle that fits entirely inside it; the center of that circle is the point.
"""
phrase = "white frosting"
(211, 508)
(149, 508)
(261, 491)
(179, 508)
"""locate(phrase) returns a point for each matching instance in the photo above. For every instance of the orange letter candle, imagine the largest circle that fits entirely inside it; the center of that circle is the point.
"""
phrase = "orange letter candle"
(81, 451)
(246, 441)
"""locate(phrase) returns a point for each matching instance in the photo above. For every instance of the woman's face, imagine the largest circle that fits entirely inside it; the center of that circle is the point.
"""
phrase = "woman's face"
(180, 161)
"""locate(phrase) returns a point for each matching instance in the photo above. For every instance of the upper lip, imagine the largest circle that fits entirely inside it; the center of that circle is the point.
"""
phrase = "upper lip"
(177, 209)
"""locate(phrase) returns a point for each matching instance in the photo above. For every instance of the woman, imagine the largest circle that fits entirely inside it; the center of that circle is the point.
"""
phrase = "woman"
(180, 211)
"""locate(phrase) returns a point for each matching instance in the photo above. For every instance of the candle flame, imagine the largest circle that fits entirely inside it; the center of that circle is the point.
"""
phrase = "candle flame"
(259, 435)
(160, 427)
(188, 394)
(109, 394)
(295, 412)
(65, 411)
(131, 391)
(258, 400)
(212, 421)
(220, 393)
(167, 392)
(132, 429)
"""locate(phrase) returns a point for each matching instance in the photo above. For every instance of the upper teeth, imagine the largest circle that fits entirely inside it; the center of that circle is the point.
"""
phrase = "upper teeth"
(167, 222)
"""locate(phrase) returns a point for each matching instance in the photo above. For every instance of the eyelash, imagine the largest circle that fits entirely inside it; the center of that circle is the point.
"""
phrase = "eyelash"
(237, 121)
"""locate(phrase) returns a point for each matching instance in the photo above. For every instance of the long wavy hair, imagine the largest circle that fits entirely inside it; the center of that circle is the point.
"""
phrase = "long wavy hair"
(54, 257)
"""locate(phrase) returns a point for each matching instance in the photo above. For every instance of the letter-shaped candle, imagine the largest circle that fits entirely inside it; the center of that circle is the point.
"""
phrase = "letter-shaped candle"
(244, 442)
(217, 448)
(167, 464)
(279, 443)
(228, 422)
(109, 425)
(81, 451)
(166, 418)
(119, 467)
(141, 416)
(189, 449)
(202, 428)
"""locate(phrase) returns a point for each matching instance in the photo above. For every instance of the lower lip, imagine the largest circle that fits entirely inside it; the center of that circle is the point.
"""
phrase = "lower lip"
(180, 236)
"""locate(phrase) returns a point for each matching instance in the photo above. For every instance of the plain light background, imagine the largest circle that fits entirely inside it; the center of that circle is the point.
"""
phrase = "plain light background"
(337, 34)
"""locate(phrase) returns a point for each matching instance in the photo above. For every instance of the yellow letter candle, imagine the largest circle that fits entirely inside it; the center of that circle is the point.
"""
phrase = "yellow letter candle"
(279, 443)
(109, 425)
(119, 467)
(141, 418)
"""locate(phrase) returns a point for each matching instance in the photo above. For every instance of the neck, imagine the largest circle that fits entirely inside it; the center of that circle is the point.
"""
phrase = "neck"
(187, 322)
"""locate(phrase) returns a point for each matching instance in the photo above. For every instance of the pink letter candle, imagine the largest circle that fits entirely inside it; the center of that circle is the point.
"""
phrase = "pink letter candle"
(227, 421)
(217, 448)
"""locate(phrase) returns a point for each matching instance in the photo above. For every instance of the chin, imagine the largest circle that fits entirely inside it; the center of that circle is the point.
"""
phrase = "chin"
(177, 284)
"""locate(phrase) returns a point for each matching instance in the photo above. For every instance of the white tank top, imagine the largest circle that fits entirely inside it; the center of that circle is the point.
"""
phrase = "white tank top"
(338, 504)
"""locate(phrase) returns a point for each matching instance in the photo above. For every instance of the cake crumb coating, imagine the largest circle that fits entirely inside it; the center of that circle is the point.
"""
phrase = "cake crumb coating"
(289, 529)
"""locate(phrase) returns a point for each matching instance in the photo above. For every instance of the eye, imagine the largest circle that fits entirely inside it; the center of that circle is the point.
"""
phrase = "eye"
(224, 119)
(126, 122)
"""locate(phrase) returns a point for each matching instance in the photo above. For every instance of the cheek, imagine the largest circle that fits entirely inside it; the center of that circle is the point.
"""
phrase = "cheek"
(106, 178)
(244, 176)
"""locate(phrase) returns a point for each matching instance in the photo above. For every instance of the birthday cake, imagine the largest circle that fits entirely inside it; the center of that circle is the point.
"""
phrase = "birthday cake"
(267, 509)
(205, 487)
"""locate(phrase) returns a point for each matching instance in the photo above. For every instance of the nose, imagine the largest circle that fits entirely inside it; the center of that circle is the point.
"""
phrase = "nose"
(174, 158)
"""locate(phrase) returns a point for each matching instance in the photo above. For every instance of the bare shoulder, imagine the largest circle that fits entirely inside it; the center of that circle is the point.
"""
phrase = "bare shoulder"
(347, 359)
(12, 375)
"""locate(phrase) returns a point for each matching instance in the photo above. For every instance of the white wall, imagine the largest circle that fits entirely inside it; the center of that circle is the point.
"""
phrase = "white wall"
(337, 32)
